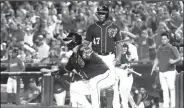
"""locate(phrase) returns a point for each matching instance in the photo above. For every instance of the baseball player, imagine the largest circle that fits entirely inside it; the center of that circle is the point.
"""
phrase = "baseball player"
(166, 58)
(103, 37)
(90, 75)
(125, 76)
(144, 100)
(16, 65)
(59, 83)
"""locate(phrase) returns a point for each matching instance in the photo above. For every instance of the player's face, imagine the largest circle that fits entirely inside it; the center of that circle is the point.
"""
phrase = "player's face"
(124, 50)
(73, 38)
(101, 17)
(14, 54)
(139, 24)
(142, 90)
(10, 53)
(144, 34)
(75, 49)
(164, 40)
(52, 53)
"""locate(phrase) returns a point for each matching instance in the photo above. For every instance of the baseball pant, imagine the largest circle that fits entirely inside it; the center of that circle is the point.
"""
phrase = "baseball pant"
(78, 92)
(11, 85)
(60, 98)
(98, 83)
(141, 105)
(123, 87)
(91, 87)
(108, 59)
(167, 81)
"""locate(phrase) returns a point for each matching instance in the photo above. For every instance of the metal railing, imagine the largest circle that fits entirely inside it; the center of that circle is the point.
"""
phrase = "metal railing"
(46, 87)
(180, 90)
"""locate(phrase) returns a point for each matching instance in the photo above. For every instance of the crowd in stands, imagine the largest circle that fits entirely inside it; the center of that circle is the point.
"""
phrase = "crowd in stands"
(38, 27)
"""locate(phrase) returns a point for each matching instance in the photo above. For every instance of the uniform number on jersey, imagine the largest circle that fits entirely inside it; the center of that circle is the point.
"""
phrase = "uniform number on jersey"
(96, 41)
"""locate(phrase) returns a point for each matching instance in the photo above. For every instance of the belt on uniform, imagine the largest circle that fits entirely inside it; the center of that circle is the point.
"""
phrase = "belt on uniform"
(107, 53)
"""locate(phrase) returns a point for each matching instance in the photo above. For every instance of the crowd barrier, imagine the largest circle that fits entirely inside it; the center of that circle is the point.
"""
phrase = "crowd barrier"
(179, 90)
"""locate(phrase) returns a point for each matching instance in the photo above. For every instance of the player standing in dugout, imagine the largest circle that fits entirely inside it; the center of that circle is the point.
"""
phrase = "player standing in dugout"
(15, 65)
(103, 37)
(166, 58)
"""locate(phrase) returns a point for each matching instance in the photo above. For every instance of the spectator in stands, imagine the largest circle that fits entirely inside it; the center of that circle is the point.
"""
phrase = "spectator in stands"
(143, 46)
(52, 10)
(162, 27)
(138, 27)
(27, 6)
(43, 48)
(3, 50)
(21, 12)
(28, 38)
(151, 21)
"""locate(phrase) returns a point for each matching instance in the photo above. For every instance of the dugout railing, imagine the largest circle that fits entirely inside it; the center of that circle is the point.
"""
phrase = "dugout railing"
(179, 90)
(46, 87)
(47, 92)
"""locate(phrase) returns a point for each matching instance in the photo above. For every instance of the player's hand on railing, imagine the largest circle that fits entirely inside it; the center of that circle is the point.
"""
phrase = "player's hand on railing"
(23, 102)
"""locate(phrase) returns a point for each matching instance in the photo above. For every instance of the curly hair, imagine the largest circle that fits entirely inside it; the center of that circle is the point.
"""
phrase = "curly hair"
(125, 45)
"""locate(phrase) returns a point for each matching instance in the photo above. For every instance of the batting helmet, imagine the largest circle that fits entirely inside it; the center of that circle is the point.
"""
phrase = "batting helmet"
(76, 40)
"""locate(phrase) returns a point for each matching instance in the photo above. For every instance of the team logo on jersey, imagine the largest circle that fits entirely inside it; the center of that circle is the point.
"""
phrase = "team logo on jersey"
(80, 61)
(147, 103)
(112, 32)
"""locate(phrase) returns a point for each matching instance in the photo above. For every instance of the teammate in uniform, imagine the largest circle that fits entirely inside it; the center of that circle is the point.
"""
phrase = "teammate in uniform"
(103, 37)
(16, 65)
(125, 77)
(144, 100)
(91, 75)
(167, 57)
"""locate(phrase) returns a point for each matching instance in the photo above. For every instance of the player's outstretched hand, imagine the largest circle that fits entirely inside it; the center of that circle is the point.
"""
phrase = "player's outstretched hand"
(154, 70)
(171, 61)
(151, 72)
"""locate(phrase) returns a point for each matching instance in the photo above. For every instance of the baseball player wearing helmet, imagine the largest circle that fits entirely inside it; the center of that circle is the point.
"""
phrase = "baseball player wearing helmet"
(103, 37)
(91, 75)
